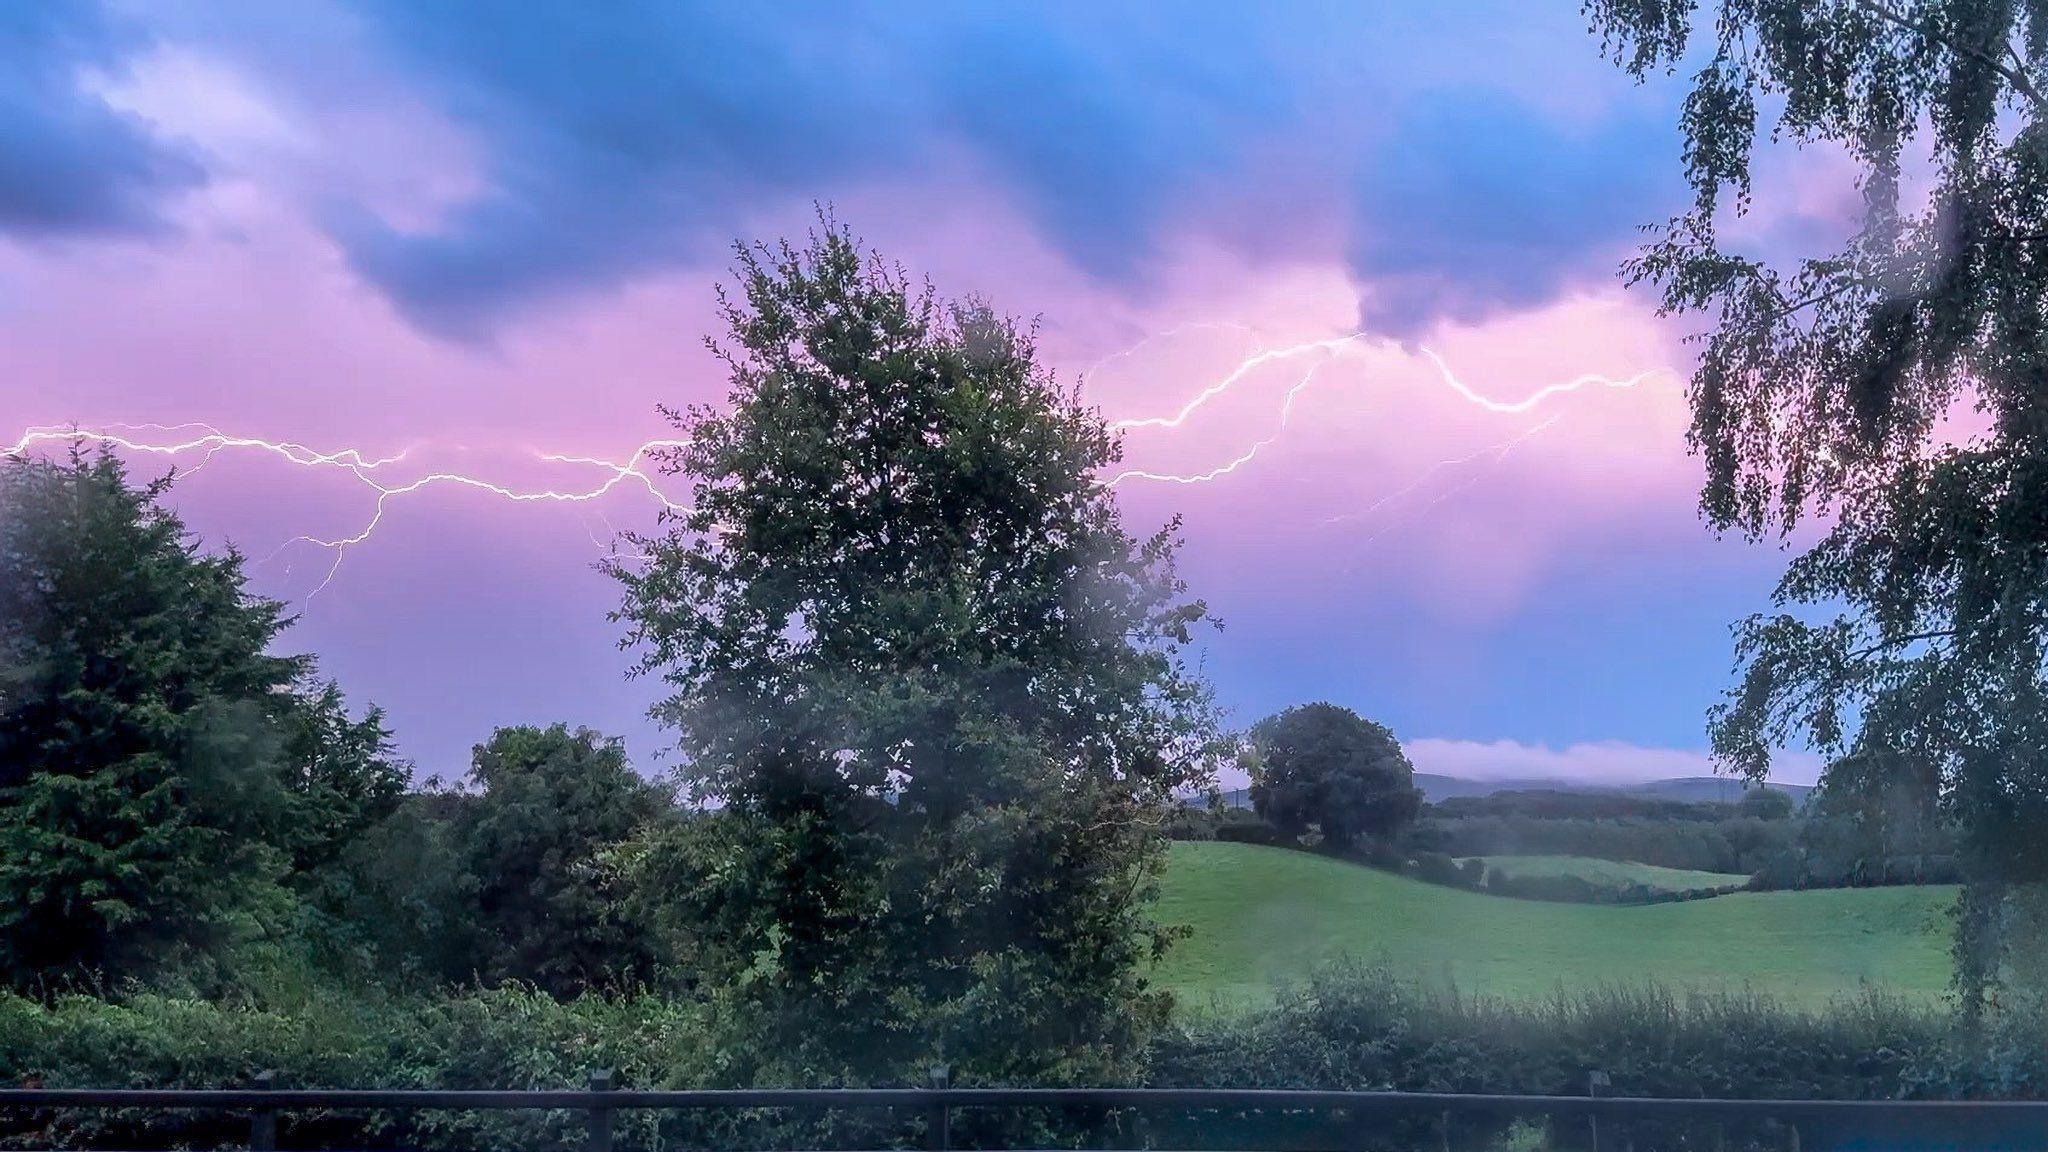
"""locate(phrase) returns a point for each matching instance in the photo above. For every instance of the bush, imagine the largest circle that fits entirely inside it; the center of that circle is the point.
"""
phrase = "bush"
(508, 1038)
(1253, 831)
(1358, 1029)
(1346, 1028)
(1437, 868)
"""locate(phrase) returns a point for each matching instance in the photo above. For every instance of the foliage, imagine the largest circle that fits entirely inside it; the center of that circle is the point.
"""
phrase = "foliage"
(1767, 804)
(401, 911)
(343, 782)
(1892, 389)
(545, 844)
(1718, 840)
(1323, 766)
(169, 789)
(932, 685)
(141, 811)
(1437, 868)
(1347, 1027)
(1548, 804)
(1604, 881)
(509, 1037)
(1869, 824)
(1343, 1027)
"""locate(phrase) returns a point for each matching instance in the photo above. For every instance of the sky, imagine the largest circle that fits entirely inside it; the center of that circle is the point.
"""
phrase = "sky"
(1347, 275)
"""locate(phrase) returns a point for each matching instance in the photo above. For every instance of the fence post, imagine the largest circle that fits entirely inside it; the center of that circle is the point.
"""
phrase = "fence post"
(599, 1138)
(263, 1118)
(1596, 1083)
(939, 1131)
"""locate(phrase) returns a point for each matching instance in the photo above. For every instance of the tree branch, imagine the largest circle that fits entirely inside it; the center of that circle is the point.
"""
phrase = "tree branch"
(1902, 641)
(2017, 79)
(1779, 313)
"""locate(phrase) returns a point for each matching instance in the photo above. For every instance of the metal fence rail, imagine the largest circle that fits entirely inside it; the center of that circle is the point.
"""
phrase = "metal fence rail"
(2011, 1120)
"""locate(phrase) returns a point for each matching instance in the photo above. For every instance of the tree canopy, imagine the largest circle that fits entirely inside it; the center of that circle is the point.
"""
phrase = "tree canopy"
(1894, 390)
(1325, 767)
(934, 687)
(546, 843)
(168, 786)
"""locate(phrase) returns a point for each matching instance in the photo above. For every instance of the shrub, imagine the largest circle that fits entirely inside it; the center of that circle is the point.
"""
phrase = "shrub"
(1357, 1028)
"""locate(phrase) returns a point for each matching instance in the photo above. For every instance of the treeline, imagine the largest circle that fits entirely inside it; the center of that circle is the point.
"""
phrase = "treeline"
(1705, 837)
(1844, 837)
(181, 808)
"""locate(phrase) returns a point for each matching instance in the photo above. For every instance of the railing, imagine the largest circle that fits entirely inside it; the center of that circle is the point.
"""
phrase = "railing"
(1953, 1123)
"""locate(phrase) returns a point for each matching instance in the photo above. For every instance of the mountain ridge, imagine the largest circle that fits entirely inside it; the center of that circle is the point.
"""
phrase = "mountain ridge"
(1691, 789)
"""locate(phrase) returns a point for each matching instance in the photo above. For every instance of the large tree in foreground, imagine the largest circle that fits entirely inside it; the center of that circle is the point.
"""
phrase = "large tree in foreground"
(1895, 390)
(168, 786)
(932, 684)
(140, 802)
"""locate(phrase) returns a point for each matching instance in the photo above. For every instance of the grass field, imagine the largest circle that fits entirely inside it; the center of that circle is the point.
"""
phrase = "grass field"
(1261, 916)
(1612, 873)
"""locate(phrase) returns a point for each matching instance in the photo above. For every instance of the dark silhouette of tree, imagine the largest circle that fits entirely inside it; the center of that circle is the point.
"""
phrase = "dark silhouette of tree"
(1766, 803)
(1913, 633)
(1323, 766)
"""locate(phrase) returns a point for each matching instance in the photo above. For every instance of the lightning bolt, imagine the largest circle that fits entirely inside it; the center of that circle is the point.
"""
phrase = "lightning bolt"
(1525, 404)
(1286, 412)
(181, 440)
(363, 468)
(1337, 345)
(1498, 451)
(1169, 334)
(1245, 367)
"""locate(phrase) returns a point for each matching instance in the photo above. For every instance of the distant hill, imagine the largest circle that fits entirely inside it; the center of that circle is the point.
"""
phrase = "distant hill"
(1263, 917)
(1690, 789)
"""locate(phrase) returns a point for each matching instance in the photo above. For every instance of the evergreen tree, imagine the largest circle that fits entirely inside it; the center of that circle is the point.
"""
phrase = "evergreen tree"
(141, 805)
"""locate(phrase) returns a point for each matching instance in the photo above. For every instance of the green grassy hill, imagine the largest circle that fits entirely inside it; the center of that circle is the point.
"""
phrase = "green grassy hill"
(1265, 915)
(1612, 873)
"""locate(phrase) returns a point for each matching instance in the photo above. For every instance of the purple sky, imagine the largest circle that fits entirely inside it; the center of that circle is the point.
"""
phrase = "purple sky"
(392, 228)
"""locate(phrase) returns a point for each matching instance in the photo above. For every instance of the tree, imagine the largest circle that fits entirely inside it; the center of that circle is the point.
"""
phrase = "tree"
(343, 783)
(1766, 803)
(1323, 766)
(544, 842)
(1896, 389)
(140, 801)
(168, 788)
(933, 687)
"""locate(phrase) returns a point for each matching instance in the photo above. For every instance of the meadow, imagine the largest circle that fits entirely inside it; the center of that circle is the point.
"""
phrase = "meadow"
(1261, 917)
(1613, 873)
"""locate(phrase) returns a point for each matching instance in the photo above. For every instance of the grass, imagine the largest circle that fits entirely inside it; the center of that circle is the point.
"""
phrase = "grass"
(1613, 873)
(1261, 916)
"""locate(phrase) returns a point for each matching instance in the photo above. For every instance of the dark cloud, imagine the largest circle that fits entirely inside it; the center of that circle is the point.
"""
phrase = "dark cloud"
(622, 139)
(626, 137)
(1478, 203)
(69, 164)
(1102, 149)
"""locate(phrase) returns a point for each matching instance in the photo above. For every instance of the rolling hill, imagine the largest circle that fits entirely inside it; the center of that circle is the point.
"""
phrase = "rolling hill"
(1613, 873)
(1261, 916)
